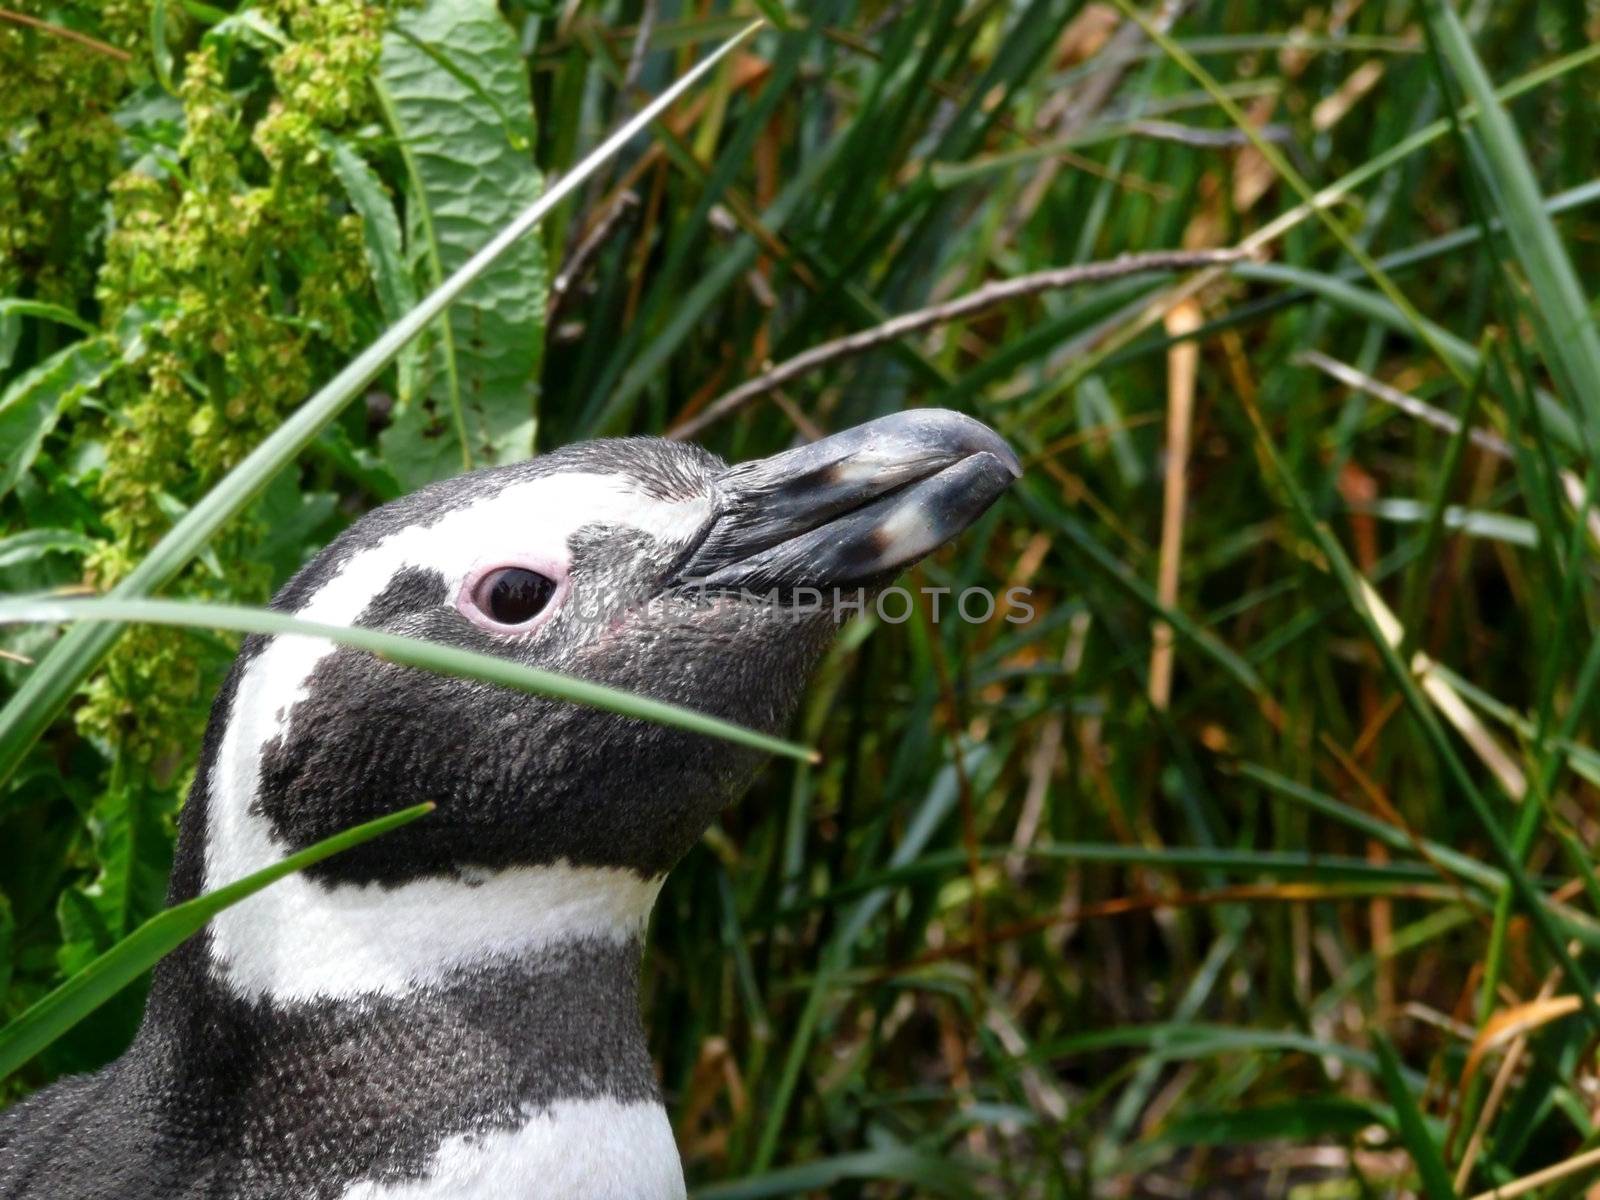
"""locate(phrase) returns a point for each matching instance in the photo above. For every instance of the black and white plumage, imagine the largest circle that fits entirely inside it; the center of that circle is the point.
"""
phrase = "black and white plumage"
(452, 1010)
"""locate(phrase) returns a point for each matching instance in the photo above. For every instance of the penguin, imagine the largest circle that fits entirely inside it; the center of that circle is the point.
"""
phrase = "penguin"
(452, 1010)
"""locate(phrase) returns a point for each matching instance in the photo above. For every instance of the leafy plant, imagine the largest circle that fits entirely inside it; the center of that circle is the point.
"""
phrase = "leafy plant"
(1259, 860)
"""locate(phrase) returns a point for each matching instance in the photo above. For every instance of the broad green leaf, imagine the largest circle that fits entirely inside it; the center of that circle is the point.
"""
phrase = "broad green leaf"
(455, 91)
(250, 27)
(30, 407)
(84, 935)
(292, 518)
(385, 251)
(135, 954)
(133, 846)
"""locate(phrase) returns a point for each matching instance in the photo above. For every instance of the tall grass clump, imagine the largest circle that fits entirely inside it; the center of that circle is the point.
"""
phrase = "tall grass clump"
(1257, 861)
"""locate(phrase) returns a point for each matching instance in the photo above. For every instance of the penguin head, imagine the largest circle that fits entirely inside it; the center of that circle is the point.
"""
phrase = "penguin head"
(640, 564)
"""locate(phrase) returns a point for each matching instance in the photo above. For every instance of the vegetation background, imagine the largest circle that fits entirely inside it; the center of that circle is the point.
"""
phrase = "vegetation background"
(1257, 864)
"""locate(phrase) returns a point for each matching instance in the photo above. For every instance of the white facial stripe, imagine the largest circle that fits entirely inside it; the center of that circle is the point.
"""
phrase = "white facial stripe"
(573, 1150)
(298, 938)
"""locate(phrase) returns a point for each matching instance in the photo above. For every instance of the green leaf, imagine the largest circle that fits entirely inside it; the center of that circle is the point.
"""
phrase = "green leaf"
(30, 407)
(1413, 1126)
(1187, 1041)
(8, 932)
(1097, 409)
(1359, 301)
(291, 517)
(48, 687)
(1492, 526)
(160, 51)
(247, 26)
(84, 935)
(1567, 333)
(100, 980)
(33, 544)
(13, 306)
(385, 251)
(134, 849)
(471, 171)
(1356, 590)
(431, 656)
(933, 1175)
(1301, 1120)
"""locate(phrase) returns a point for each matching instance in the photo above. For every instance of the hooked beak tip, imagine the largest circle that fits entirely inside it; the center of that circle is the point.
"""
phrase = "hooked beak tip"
(858, 506)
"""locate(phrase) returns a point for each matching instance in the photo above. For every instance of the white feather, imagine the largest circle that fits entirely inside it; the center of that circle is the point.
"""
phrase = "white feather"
(574, 1150)
(298, 940)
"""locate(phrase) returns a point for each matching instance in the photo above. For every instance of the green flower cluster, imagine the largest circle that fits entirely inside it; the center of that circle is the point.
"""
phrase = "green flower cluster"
(58, 145)
(233, 275)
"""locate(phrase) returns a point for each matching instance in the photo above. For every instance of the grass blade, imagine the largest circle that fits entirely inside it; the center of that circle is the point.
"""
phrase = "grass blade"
(932, 1175)
(1309, 196)
(1357, 592)
(412, 652)
(53, 1015)
(1419, 1142)
(1569, 336)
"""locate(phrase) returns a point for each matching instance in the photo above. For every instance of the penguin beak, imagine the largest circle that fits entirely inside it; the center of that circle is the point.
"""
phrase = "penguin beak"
(854, 508)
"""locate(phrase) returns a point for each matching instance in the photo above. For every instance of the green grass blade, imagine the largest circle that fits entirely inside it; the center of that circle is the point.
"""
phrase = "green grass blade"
(1274, 865)
(1415, 591)
(53, 1015)
(1304, 1120)
(1184, 1041)
(1568, 334)
(932, 1175)
(1309, 196)
(1038, 501)
(1361, 302)
(51, 684)
(1422, 712)
(412, 652)
(1414, 1133)
(1334, 193)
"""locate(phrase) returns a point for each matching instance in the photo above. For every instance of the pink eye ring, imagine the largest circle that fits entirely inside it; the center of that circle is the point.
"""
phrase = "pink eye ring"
(511, 596)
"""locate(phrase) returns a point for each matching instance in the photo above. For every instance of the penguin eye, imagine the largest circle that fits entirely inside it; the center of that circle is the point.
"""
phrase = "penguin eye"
(513, 595)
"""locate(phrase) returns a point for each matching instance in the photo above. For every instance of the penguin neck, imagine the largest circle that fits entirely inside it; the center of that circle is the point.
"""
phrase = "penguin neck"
(486, 1075)
(531, 1021)
(560, 936)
